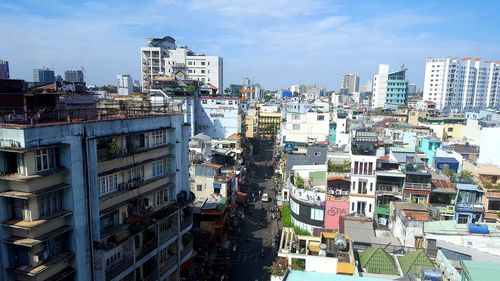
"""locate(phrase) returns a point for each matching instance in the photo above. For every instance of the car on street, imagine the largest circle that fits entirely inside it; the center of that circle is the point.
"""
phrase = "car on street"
(265, 197)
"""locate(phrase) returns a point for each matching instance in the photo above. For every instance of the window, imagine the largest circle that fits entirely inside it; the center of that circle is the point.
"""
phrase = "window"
(296, 117)
(135, 173)
(463, 218)
(160, 197)
(321, 117)
(202, 71)
(199, 187)
(107, 184)
(353, 185)
(296, 126)
(317, 153)
(370, 168)
(202, 63)
(352, 206)
(49, 203)
(158, 167)
(317, 214)
(369, 208)
(204, 101)
(159, 137)
(46, 159)
(109, 220)
(190, 71)
(371, 186)
(450, 129)
(356, 163)
(294, 207)
(190, 63)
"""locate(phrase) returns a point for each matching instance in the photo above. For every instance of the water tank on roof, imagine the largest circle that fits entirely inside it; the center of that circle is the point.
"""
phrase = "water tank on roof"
(478, 228)
(340, 241)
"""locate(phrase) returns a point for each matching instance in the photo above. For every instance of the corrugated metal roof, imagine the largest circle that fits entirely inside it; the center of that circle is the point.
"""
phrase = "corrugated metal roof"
(377, 260)
(414, 261)
(479, 271)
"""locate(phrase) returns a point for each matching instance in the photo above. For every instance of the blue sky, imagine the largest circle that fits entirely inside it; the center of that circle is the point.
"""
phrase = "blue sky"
(277, 43)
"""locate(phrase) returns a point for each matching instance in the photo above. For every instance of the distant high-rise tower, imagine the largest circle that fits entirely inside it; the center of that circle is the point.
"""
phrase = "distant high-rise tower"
(152, 59)
(389, 88)
(43, 75)
(4, 69)
(455, 84)
(73, 75)
(350, 82)
(125, 84)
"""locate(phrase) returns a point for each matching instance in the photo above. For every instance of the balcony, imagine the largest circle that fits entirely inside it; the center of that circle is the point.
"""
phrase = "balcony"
(126, 192)
(149, 242)
(186, 251)
(168, 265)
(469, 207)
(129, 158)
(36, 228)
(418, 186)
(49, 268)
(35, 183)
(121, 266)
(187, 222)
(388, 189)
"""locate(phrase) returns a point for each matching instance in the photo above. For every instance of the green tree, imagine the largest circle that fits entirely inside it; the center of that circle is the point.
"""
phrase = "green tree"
(299, 182)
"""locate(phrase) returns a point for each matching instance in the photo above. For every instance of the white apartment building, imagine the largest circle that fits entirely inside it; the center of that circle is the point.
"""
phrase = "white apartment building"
(124, 84)
(363, 178)
(380, 86)
(460, 85)
(163, 57)
(195, 66)
(306, 127)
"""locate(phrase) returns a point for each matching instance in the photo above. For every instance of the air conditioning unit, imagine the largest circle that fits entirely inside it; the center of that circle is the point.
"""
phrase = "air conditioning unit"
(130, 185)
(40, 256)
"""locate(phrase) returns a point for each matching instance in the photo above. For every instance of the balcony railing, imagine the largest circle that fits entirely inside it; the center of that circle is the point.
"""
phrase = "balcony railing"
(121, 266)
(469, 207)
(168, 265)
(187, 249)
(186, 222)
(169, 234)
(420, 186)
(151, 277)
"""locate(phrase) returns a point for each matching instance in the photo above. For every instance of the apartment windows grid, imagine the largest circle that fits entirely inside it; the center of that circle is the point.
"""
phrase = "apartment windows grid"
(296, 126)
(45, 159)
(159, 137)
(107, 184)
(159, 167)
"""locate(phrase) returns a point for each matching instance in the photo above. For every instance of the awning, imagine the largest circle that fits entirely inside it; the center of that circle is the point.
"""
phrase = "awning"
(382, 211)
(444, 190)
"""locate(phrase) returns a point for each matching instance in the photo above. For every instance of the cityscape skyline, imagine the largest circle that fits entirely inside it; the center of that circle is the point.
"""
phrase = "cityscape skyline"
(287, 43)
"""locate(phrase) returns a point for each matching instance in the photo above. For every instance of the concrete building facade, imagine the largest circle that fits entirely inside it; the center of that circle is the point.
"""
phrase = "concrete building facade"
(459, 85)
(350, 82)
(124, 84)
(43, 75)
(74, 75)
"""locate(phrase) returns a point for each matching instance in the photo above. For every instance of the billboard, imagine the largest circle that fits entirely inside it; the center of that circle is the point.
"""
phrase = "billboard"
(335, 207)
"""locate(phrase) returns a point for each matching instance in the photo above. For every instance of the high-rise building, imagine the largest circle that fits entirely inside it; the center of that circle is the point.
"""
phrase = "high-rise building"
(389, 88)
(125, 84)
(104, 199)
(163, 57)
(350, 82)
(74, 75)
(367, 87)
(4, 69)
(43, 74)
(412, 88)
(459, 85)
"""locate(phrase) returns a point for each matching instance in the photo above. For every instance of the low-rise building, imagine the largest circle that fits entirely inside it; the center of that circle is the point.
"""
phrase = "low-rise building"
(407, 221)
(331, 252)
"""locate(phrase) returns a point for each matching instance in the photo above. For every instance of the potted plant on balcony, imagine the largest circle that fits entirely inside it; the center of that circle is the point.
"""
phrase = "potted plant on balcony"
(278, 269)
(113, 148)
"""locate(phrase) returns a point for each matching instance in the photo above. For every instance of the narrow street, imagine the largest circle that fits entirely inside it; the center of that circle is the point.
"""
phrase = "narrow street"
(257, 231)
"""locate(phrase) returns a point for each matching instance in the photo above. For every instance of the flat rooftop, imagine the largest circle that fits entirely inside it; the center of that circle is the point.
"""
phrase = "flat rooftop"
(297, 275)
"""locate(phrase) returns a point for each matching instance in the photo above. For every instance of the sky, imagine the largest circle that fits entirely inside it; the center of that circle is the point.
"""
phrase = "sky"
(277, 43)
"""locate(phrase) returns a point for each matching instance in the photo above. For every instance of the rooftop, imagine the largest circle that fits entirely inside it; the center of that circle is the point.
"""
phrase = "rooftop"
(297, 275)
(450, 227)
(479, 271)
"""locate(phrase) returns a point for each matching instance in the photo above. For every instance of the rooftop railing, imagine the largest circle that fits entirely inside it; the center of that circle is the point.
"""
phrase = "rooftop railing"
(18, 117)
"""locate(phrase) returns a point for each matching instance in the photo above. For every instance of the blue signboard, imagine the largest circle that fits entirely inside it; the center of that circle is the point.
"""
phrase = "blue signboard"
(289, 147)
